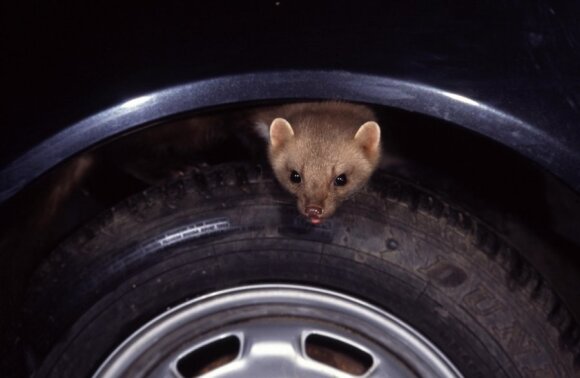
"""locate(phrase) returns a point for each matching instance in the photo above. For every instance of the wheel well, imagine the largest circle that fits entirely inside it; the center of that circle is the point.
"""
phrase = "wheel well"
(549, 151)
(538, 213)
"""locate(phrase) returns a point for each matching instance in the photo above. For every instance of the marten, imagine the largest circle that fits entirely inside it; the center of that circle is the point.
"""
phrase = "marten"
(321, 152)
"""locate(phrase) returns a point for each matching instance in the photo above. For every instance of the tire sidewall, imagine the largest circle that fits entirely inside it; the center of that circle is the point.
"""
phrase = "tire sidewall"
(138, 261)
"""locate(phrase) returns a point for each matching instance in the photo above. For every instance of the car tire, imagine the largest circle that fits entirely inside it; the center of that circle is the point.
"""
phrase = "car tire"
(395, 246)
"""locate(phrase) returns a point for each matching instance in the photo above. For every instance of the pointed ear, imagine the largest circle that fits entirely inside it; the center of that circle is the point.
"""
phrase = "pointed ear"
(280, 132)
(369, 137)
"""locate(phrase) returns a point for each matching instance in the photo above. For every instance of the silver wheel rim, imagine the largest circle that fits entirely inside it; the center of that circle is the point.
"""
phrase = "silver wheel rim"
(271, 331)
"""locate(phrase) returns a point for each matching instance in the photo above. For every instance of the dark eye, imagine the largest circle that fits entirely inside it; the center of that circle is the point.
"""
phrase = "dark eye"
(340, 180)
(295, 177)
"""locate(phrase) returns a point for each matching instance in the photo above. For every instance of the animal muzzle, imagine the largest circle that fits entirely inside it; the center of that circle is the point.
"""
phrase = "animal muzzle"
(314, 213)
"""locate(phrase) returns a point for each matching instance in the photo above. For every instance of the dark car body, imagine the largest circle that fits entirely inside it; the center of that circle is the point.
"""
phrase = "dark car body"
(508, 70)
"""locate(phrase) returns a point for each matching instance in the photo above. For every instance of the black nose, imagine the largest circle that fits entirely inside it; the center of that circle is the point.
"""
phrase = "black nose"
(313, 211)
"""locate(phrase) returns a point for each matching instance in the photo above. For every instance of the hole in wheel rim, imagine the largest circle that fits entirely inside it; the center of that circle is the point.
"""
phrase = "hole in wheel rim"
(338, 354)
(209, 357)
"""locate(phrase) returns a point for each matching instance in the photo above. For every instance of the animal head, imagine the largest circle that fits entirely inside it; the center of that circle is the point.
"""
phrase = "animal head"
(322, 167)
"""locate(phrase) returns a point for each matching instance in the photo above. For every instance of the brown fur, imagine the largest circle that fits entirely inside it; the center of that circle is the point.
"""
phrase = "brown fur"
(318, 141)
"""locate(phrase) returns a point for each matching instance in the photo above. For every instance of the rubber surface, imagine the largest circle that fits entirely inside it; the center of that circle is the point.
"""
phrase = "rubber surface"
(395, 245)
